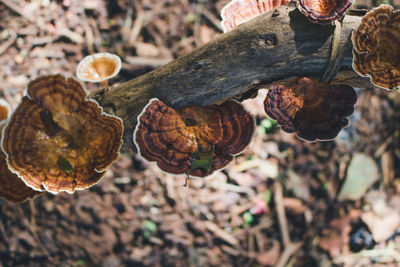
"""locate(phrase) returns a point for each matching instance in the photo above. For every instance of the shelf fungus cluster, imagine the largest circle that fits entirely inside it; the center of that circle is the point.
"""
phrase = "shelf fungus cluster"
(58, 140)
(324, 11)
(318, 11)
(309, 108)
(195, 140)
(376, 52)
(240, 11)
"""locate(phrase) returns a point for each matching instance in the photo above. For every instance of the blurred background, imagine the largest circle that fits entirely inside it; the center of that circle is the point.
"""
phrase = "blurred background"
(341, 197)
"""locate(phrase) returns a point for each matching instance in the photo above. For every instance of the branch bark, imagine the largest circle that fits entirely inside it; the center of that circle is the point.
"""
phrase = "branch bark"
(277, 45)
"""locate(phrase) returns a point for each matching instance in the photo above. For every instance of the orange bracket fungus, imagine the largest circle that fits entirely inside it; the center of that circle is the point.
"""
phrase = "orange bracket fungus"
(5, 110)
(311, 109)
(98, 68)
(241, 11)
(195, 140)
(324, 11)
(57, 139)
(376, 52)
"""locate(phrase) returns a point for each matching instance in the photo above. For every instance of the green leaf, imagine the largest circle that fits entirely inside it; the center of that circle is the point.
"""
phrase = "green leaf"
(149, 225)
(248, 218)
(202, 160)
(268, 124)
(64, 164)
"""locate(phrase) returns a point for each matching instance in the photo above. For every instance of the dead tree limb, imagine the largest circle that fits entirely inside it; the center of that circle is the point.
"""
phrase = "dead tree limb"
(275, 46)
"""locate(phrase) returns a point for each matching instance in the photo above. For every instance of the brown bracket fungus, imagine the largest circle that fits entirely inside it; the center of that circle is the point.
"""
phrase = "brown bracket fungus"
(376, 52)
(240, 11)
(195, 140)
(12, 188)
(311, 109)
(324, 11)
(57, 139)
(98, 68)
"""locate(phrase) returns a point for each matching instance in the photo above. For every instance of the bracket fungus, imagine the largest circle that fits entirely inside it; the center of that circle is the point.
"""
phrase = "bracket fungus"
(195, 140)
(12, 188)
(98, 68)
(376, 52)
(311, 109)
(324, 11)
(57, 139)
(5, 110)
(240, 11)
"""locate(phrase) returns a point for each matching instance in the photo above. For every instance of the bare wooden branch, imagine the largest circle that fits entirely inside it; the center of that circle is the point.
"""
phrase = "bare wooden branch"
(275, 46)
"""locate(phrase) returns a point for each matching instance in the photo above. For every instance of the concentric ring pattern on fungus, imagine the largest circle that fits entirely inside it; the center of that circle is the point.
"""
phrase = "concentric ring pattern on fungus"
(324, 11)
(12, 188)
(376, 52)
(58, 140)
(309, 108)
(195, 140)
(240, 11)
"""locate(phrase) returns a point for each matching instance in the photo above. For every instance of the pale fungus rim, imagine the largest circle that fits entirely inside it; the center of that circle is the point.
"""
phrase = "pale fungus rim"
(102, 112)
(90, 58)
(295, 132)
(357, 53)
(184, 174)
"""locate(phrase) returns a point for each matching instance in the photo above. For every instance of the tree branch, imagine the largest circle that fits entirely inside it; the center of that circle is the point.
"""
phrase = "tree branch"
(272, 47)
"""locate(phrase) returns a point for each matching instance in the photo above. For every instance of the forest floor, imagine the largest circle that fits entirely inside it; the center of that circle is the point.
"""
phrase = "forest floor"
(138, 216)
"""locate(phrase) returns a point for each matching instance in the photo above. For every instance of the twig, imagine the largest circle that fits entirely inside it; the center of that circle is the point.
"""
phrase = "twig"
(127, 24)
(280, 209)
(146, 61)
(3, 233)
(229, 187)
(9, 42)
(214, 20)
(391, 253)
(65, 32)
(290, 248)
(32, 230)
(141, 20)
(17, 9)
(382, 147)
(197, 23)
(89, 37)
(221, 233)
(287, 253)
(336, 56)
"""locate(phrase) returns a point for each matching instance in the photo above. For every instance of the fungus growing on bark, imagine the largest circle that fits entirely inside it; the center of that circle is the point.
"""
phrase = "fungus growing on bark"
(195, 140)
(376, 52)
(57, 139)
(98, 68)
(311, 109)
(324, 11)
(240, 11)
